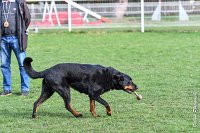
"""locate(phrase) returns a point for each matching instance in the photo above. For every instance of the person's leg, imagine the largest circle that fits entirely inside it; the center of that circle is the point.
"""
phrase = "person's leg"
(25, 80)
(5, 64)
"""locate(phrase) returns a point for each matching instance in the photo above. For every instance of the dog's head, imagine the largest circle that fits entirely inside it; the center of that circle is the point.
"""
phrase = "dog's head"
(122, 81)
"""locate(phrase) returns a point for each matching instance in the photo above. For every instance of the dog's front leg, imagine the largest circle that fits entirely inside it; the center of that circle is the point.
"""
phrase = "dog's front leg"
(92, 108)
(104, 103)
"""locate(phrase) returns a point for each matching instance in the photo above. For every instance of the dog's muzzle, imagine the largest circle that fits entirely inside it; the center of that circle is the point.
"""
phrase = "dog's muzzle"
(129, 88)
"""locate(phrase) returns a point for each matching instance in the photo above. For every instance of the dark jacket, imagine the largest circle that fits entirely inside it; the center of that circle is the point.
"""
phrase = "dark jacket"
(23, 17)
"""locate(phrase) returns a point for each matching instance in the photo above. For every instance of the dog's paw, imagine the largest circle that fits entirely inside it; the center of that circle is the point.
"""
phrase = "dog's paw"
(109, 113)
(34, 116)
(79, 115)
(96, 116)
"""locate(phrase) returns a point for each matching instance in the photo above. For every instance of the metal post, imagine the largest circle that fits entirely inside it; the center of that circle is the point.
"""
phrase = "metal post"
(142, 15)
(69, 17)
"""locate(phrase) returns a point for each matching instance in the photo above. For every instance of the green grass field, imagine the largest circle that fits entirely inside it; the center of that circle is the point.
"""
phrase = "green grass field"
(166, 66)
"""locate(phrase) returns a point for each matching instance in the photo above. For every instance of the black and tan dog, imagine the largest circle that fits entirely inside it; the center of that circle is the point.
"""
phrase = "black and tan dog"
(92, 80)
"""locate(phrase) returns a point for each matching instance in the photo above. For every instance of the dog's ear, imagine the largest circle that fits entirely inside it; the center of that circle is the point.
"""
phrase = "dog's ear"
(118, 77)
(115, 74)
(110, 70)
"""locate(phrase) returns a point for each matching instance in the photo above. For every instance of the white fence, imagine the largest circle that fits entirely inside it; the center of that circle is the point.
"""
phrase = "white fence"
(113, 14)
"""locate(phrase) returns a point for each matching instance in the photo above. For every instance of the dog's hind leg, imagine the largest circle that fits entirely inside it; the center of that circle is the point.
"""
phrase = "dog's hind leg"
(74, 112)
(64, 92)
(104, 103)
(46, 93)
(92, 108)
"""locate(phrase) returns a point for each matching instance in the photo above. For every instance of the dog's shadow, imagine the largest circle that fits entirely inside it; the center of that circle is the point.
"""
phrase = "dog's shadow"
(27, 114)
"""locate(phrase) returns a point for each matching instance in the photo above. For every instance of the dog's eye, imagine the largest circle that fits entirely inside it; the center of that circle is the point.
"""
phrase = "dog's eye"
(121, 78)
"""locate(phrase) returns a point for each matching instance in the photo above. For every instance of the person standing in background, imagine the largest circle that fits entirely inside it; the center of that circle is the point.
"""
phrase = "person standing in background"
(14, 21)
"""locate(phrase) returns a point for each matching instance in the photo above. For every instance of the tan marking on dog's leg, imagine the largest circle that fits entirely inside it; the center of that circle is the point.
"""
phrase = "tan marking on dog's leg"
(74, 112)
(92, 108)
(37, 108)
(108, 110)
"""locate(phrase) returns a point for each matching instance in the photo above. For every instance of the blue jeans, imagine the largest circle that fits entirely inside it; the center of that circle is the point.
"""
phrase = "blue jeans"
(9, 43)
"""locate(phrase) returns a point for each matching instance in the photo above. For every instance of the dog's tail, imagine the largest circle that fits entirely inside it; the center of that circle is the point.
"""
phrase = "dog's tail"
(29, 70)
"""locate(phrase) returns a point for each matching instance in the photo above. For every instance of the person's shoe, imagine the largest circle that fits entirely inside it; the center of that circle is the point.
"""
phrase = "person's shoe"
(6, 93)
(25, 93)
